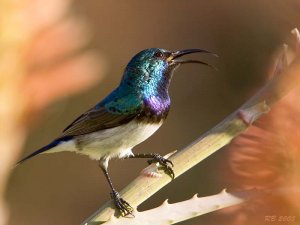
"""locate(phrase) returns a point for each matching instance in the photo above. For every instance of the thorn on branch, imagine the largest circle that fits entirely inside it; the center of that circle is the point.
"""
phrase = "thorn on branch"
(251, 114)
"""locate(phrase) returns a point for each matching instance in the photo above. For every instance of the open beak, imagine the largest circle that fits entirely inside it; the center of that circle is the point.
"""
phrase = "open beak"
(175, 57)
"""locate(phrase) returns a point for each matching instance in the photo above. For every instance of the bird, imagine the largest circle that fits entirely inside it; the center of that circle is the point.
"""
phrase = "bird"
(129, 115)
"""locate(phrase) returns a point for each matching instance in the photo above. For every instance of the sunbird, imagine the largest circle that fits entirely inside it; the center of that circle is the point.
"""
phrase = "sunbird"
(129, 115)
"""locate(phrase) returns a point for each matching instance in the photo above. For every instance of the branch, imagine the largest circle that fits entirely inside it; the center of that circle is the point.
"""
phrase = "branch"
(284, 79)
(177, 212)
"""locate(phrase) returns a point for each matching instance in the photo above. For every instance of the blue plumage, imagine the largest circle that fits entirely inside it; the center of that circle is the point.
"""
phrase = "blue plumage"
(127, 116)
(45, 148)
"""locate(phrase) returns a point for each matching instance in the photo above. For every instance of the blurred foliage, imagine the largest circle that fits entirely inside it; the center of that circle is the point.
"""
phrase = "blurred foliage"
(43, 58)
(64, 188)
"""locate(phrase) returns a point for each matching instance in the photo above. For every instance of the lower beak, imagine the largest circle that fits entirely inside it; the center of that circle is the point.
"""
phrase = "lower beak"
(174, 58)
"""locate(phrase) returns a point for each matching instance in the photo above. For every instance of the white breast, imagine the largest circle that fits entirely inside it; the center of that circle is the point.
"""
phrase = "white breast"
(114, 142)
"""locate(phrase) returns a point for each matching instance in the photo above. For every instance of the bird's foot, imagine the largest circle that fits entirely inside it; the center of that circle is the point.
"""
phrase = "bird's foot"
(164, 163)
(124, 208)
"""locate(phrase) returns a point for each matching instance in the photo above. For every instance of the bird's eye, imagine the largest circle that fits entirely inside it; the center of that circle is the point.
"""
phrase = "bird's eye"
(158, 54)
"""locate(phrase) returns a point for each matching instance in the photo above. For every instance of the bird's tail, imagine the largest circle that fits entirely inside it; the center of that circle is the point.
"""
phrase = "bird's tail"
(41, 150)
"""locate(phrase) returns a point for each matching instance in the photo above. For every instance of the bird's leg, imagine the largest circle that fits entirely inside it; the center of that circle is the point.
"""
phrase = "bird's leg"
(156, 158)
(123, 206)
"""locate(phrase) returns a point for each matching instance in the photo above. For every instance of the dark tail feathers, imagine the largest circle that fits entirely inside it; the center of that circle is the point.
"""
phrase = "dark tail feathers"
(41, 150)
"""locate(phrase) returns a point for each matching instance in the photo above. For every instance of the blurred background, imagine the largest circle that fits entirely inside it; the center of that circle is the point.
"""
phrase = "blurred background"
(71, 54)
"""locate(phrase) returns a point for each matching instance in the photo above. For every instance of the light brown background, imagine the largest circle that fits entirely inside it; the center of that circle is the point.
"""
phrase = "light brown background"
(65, 188)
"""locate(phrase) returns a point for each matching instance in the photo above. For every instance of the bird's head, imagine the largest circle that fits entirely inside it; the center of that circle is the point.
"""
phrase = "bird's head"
(153, 68)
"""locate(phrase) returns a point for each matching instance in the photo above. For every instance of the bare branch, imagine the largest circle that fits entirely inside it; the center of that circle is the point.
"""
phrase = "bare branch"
(180, 211)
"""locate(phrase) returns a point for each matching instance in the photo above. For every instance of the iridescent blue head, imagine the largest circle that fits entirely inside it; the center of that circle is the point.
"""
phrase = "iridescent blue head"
(147, 78)
(150, 71)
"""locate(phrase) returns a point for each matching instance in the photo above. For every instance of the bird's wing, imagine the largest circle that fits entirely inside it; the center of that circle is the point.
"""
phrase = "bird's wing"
(98, 118)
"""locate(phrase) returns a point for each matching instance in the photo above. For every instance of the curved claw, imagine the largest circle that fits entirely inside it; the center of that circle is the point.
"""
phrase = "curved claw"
(169, 161)
(124, 208)
(164, 164)
(168, 170)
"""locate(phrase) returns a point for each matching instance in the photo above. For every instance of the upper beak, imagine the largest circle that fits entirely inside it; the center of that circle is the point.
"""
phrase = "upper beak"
(173, 59)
